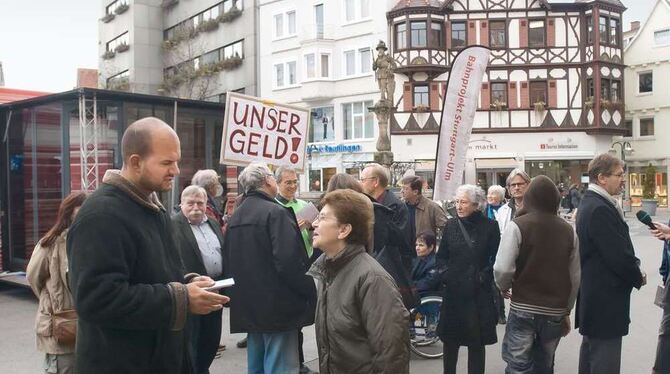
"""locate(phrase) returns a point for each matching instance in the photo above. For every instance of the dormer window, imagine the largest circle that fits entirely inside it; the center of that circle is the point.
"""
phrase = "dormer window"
(418, 30)
(401, 36)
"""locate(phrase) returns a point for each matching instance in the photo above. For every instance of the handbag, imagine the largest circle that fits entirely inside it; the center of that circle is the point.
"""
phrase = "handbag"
(64, 326)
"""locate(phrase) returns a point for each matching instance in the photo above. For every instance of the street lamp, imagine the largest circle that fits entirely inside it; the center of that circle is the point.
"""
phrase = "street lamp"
(624, 147)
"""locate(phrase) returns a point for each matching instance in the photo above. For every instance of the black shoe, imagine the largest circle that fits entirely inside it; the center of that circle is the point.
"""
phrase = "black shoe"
(305, 370)
(242, 343)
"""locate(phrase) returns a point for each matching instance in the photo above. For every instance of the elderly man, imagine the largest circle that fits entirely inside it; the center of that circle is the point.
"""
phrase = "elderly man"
(610, 269)
(265, 253)
(424, 214)
(517, 183)
(209, 180)
(199, 240)
(126, 275)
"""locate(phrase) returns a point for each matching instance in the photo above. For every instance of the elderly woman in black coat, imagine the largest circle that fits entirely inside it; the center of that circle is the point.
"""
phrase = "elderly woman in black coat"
(467, 253)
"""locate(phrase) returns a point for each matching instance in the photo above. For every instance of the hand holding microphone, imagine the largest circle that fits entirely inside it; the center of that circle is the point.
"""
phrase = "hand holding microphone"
(659, 230)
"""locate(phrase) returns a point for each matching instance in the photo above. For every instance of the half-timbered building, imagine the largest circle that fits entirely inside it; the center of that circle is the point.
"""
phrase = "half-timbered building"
(552, 96)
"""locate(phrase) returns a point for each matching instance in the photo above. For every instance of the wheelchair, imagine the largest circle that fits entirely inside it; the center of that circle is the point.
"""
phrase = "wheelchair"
(424, 341)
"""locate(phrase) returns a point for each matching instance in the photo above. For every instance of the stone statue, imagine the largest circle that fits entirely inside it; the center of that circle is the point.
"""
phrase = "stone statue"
(384, 66)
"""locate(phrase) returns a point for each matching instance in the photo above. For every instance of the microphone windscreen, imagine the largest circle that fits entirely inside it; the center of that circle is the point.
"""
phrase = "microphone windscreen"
(645, 218)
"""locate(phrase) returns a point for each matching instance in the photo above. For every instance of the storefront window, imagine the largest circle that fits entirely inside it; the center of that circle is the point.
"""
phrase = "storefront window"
(319, 178)
(323, 125)
(637, 178)
(562, 172)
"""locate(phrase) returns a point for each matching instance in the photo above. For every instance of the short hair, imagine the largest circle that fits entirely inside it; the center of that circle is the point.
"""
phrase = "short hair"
(193, 190)
(474, 193)
(353, 208)
(414, 182)
(516, 172)
(205, 178)
(253, 176)
(604, 164)
(497, 190)
(428, 237)
(137, 138)
(343, 181)
(379, 172)
(283, 169)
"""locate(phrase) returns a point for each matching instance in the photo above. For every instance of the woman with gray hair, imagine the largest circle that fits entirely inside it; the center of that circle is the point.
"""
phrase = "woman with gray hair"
(467, 253)
(495, 199)
(209, 180)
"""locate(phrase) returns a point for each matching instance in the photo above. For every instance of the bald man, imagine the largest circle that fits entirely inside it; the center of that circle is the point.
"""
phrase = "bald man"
(126, 276)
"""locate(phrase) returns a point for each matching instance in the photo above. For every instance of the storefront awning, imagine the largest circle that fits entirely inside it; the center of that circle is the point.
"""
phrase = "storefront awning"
(496, 163)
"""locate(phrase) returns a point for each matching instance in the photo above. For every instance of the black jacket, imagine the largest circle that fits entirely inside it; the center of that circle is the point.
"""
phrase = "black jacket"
(122, 260)
(425, 275)
(188, 245)
(610, 269)
(400, 214)
(265, 253)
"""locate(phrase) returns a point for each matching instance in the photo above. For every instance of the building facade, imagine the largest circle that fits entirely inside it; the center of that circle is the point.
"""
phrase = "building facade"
(552, 95)
(319, 54)
(647, 106)
(187, 49)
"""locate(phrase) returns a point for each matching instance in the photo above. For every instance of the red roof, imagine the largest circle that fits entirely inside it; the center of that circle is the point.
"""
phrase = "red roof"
(12, 94)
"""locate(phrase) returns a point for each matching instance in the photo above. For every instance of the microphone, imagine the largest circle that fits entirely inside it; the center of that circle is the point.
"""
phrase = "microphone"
(644, 217)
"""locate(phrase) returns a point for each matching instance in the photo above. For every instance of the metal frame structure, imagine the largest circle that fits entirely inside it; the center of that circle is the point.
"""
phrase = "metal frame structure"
(88, 141)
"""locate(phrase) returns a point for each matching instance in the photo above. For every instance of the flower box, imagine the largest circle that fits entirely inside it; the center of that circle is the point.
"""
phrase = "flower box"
(121, 8)
(108, 55)
(230, 15)
(121, 48)
(107, 17)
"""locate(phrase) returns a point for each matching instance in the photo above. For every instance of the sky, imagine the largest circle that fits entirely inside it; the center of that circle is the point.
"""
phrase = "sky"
(43, 42)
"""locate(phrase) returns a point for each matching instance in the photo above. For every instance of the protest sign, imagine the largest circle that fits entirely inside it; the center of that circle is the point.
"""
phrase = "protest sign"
(256, 130)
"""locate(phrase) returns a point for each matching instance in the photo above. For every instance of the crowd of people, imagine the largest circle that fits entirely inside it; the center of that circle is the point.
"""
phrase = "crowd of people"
(136, 281)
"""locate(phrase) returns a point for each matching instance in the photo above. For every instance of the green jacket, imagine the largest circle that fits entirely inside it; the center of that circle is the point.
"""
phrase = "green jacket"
(297, 205)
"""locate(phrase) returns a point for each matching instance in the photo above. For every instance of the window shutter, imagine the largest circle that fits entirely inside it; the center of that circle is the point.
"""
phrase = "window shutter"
(486, 96)
(523, 33)
(434, 96)
(407, 97)
(553, 94)
(551, 32)
(484, 33)
(511, 96)
(472, 33)
(525, 95)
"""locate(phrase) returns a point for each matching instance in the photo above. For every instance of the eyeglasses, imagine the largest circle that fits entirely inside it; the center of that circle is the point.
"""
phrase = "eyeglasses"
(515, 185)
(323, 217)
(618, 175)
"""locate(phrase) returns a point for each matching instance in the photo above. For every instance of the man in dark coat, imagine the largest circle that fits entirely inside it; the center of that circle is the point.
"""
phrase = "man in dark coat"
(199, 239)
(126, 276)
(265, 253)
(610, 269)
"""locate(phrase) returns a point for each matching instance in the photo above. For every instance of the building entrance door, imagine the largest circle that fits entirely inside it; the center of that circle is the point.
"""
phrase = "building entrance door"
(488, 178)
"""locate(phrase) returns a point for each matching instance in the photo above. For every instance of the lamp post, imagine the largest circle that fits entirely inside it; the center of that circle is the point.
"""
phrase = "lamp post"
(623, 148)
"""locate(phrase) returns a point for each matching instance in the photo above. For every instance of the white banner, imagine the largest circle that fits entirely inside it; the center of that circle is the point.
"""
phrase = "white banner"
(256, 130)
(458, 114)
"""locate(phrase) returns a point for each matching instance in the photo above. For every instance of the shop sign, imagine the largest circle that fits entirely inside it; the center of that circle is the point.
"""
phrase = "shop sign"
(553, 145)
(482, 145)
(340, 148)
(256, 130)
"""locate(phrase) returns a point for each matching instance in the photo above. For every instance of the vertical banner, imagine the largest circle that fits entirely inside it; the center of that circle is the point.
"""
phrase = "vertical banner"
(458, 114)
(256, 130)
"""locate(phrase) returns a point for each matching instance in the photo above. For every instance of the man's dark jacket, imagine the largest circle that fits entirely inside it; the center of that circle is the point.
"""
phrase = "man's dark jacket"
(125, 277)
(265, 253)
(610, 269)
(400, 214)
(209, 331)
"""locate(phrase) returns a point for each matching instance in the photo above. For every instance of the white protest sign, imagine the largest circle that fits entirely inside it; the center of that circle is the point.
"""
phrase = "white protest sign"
(256, 130)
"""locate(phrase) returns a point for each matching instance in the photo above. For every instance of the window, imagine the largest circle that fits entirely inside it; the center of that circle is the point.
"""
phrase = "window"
(498, 34)
(604, 89)
(615, 91)
(589, 29)
(318, 17)
(436, 35)
(358, 121)
(210, 57)
(279, 25)
(292, 76)
(323, 125)
(279, 75)
(614, 31)
(499, 92)
(284, 24)
(366, 60)
(285, 74)
(350, 62)
(458, 37)
(662, 37)
(325, 65)
(356, 10)
(119, 81)
(646, 126)
(400, 36)
(418, 30)
(538, 92)
(646, 82)
(211, 13)
(109, 9)
(628, 125)
(228, 5)
(116, 42)
(536, 34)
(350, 10)
(233, 50)
(421, 96)
(291, 22)
(590, 90)
(310, 66)
(602, 30)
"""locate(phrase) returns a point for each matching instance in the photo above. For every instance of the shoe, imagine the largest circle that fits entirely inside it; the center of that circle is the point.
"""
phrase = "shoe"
(222, 347)
(242, 343)
(305, 370)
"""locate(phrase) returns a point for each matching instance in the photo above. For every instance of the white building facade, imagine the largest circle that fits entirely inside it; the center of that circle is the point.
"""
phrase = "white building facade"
(647, 77)
(319, 54)
(551, 98)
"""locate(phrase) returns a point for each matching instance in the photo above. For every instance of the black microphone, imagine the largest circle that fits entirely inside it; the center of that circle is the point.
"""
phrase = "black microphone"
(644, 217)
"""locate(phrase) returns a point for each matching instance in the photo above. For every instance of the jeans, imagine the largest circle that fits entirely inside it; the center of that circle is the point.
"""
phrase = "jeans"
(530, 342)
(273, 353)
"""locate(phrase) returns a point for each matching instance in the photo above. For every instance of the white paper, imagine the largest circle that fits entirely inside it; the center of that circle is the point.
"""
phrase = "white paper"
(224, 283)
(308, 213)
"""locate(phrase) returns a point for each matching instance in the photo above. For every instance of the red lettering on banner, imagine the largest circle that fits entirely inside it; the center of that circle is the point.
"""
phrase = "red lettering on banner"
(272, 115)
(240, 122)
(295, 119)
(253, 140)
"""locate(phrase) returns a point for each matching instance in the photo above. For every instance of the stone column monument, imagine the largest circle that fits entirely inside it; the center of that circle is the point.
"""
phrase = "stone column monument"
(384, 66)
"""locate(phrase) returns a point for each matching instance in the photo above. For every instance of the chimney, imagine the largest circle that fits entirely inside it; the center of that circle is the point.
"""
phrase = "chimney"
(634, 25)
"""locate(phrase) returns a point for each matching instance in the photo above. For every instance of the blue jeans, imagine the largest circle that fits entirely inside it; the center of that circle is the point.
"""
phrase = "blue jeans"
(275, 353)
(530, 342)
